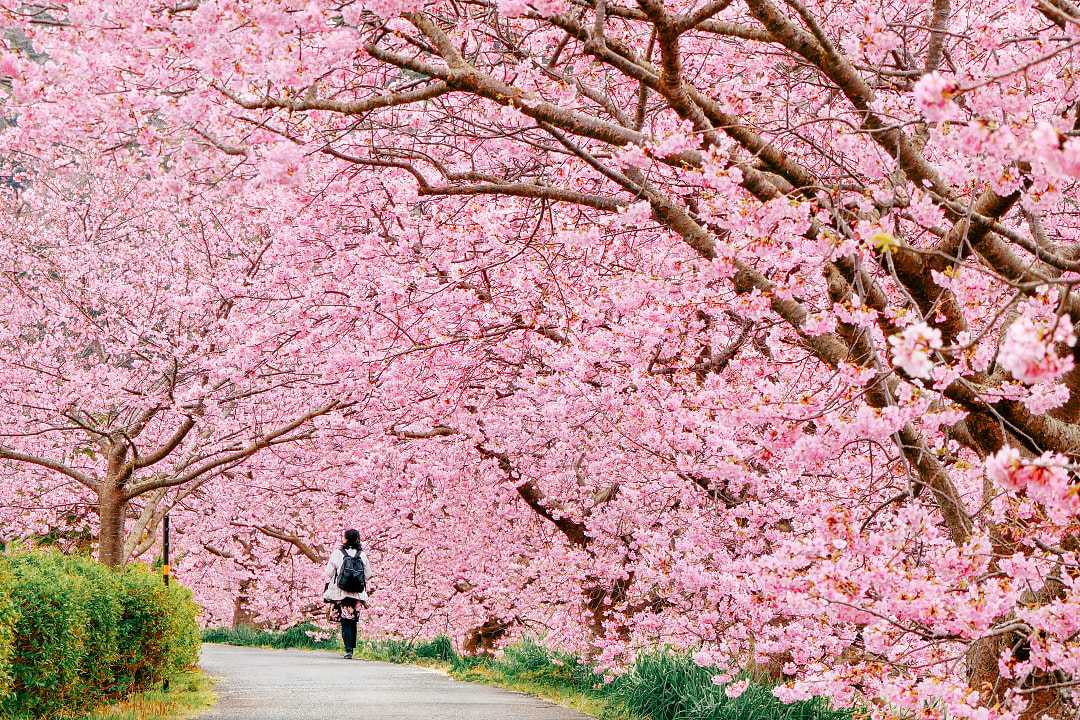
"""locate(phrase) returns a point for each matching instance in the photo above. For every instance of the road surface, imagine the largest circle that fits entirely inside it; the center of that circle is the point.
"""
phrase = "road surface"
(255, 684)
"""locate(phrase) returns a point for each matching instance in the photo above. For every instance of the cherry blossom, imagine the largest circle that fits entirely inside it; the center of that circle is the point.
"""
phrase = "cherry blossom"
(742, 327)
(912, 349)
(933, 94)
(1028, 349)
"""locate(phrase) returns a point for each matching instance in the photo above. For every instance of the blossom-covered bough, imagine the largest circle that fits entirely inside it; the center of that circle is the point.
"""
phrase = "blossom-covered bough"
(745, 325)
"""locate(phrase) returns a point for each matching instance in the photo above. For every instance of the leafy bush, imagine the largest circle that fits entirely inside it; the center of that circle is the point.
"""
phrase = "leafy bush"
(8, 616)
(158, 628)
(182, 629)
(81, 634)
(101, 608)
(49, 634)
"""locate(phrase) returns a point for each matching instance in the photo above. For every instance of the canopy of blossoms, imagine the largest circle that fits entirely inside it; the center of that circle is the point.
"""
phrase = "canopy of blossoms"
(741, 325)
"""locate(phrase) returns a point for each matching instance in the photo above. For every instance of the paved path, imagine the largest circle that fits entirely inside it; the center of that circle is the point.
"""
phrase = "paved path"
(258, 684)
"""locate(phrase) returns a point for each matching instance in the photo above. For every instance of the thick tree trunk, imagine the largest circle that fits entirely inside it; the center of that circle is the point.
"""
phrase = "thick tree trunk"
(111, 511)
(1042, 689)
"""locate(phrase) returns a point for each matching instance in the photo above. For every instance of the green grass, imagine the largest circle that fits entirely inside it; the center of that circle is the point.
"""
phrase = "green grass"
(531, 668)
(298, 636)
(667, 685)
(189, 692)
(660, 685)
(437, 653)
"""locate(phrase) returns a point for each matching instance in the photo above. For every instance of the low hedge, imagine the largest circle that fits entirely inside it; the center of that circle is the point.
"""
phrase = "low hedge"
(74, 634)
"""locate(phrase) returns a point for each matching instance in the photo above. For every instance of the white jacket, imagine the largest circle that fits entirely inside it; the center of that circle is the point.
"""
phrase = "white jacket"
(333, 593)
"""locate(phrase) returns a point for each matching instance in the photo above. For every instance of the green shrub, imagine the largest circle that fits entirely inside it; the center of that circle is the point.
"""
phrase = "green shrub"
(158, 627)
(8, 617)
(82, 634)
(50, 635)
(100, 612)
(182, 629)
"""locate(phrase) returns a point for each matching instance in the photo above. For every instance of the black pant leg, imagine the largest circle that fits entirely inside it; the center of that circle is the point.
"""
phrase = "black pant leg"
(348, 634)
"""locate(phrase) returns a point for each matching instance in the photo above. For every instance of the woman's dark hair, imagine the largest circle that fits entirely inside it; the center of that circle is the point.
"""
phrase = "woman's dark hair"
(352, 540)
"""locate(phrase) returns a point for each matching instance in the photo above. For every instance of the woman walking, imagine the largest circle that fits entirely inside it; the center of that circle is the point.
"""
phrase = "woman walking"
(346, 586)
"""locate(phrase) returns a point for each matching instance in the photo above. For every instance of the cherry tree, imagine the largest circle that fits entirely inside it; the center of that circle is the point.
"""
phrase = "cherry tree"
(143, 354)
(761, 312)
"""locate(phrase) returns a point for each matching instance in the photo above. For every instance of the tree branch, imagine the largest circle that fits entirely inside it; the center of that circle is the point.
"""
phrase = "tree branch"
(573, 530)
(305, 549)
(354, 107)
(165, 450)
(77, 475)
(260, 443)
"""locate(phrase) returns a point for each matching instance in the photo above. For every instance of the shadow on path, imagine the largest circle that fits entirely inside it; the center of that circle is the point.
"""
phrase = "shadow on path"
(256, 684)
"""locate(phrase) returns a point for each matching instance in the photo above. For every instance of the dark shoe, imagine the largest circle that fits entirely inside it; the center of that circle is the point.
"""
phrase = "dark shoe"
(348, 656)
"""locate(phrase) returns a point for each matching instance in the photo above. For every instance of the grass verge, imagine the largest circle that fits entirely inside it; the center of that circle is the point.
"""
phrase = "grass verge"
(189, 692)
(305, 636)
(660, 685)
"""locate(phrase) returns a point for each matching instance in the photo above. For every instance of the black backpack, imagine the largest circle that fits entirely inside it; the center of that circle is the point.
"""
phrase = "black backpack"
(351, 576)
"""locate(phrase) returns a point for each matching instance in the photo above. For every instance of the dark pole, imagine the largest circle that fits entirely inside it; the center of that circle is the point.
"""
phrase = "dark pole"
(165, 570)
(165, 551)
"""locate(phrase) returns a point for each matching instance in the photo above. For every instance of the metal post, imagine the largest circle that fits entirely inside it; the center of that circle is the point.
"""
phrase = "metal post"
(165, 570)
(165, 551)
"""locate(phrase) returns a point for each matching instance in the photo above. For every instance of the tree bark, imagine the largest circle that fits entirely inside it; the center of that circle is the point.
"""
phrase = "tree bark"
(242, 616)
(481, 640)
(112, 507)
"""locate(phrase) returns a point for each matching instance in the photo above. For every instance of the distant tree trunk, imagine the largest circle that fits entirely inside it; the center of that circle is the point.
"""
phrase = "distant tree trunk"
(481, 640)
(241, 614)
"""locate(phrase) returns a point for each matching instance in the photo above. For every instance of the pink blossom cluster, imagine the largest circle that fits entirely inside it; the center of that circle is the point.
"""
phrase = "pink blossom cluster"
(913, 347)
(1030, 348)
(744, 328)
(1049, 479)
(934, 94)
